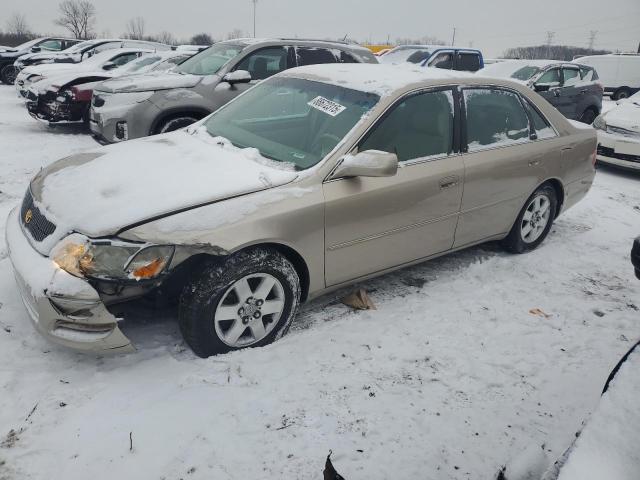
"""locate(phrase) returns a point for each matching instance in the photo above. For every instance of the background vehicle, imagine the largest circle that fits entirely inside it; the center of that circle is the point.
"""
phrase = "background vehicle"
(635, 256)
(571, 88)
(85, 50)
(620, 74)
(619, 134)
(438, 56)
(306, 183)
(65, 96)
(122, 109)
(48, 44)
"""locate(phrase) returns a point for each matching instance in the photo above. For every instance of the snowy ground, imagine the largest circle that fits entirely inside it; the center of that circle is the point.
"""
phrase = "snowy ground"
(448, 379)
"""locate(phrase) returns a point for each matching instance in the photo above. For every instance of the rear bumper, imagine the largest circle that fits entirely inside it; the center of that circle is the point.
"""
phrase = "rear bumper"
(635, 256)
(65, 309)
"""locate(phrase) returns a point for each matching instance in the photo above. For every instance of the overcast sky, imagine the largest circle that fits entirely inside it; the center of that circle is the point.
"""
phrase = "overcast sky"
(491, 26)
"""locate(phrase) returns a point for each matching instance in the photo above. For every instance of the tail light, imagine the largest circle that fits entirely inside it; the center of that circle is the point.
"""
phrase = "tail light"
(81, 95)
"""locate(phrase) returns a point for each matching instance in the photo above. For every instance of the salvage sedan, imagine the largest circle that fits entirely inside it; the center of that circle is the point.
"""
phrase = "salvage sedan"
(619, 134)
(314, 179)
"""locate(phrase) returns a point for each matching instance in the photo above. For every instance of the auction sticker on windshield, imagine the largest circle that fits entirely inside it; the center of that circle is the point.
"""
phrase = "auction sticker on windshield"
(327, 106)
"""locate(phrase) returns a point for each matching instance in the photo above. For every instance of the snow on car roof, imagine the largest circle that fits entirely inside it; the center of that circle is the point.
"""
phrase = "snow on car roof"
(254, 41)
(374, 78)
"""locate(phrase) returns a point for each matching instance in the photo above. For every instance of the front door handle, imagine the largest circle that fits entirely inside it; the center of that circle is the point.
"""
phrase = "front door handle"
(449, 182)
(556, 92)
(534, 163)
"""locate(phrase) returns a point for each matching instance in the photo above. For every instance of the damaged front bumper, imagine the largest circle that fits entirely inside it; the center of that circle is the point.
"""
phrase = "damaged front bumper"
(55, 108)
(65, 309)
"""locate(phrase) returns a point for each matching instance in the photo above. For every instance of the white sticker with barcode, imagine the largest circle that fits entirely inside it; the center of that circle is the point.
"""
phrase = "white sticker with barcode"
(327, 106)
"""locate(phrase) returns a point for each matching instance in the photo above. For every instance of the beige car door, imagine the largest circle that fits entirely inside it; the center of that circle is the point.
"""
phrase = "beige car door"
(504, 163)
(373, 224)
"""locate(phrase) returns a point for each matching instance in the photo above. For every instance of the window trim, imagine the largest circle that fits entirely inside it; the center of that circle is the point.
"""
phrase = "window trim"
(455, 145)
(463, 106)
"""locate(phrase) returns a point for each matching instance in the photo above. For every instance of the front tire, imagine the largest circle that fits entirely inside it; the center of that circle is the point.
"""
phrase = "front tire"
(247, 300)
(175, 123)
(622, 92)
(534, 221)
(8, 74)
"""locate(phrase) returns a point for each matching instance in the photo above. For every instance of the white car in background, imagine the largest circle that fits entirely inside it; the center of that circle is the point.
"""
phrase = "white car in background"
(619, 134)
(620, 73)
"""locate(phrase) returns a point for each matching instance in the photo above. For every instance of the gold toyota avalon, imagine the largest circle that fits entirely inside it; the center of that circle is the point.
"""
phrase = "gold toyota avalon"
(314, 179)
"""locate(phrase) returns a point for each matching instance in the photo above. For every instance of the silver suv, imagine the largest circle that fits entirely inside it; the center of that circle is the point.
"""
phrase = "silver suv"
(133, 107)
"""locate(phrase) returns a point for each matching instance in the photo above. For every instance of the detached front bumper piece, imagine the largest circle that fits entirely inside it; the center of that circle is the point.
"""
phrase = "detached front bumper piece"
(65, 309)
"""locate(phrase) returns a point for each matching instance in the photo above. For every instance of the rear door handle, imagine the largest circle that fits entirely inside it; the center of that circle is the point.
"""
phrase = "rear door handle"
(449, 182)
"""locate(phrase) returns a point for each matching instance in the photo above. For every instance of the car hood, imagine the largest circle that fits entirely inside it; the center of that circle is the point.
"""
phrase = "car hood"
(626, 115)
(50, 69)
(61, 80)
(151, 82)
(106, 190)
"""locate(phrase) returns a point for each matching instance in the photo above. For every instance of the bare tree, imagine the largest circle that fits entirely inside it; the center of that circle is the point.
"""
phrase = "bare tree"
(168, 38)
(135, 28)
(235, 33)
(77, 16)
(17, 25)
(202, 39)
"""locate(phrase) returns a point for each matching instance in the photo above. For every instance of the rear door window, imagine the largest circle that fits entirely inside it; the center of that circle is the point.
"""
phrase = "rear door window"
(571, 77)
(468, 62)
(551, 78)
(442, 60)
(314, 56)
(495, 118)
(265, 62)
(541, 126)
(588, 74)
(125, 58)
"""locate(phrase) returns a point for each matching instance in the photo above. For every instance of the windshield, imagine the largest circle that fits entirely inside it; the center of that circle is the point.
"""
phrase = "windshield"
(401, 55)
(525, 73)
(141, 63)
(291, 120)
(209, 61)
(80, 46)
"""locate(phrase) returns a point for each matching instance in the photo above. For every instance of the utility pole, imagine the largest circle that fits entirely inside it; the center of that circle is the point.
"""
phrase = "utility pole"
(592, 38)
(255, 5)
(453, 39)
(550, 36)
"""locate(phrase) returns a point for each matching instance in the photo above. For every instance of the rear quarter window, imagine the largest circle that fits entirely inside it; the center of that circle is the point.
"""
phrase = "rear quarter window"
(468, 62)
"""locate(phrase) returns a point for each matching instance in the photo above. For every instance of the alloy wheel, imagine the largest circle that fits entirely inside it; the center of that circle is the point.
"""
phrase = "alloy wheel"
(535, 219)
(249, 310)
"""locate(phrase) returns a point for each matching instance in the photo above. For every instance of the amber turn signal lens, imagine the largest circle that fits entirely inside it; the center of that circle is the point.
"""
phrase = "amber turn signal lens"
(149, 270)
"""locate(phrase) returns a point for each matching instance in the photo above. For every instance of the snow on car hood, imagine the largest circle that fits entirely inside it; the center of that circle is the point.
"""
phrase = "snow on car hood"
(56, 82)
(151, 81)
(50, 69)
(99, 192)
(626, 115)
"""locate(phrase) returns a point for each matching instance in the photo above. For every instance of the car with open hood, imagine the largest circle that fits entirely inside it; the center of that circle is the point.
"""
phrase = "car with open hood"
(312, 180)
(127, 108)
(619, 134)
(572, 88)
(45, 45)
(65, 96)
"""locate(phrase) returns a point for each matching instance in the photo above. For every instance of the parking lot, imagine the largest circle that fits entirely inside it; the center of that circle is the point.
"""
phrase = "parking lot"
(467, 360)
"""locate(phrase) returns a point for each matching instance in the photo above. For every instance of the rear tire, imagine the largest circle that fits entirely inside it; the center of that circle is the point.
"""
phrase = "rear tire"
(534, 221)
(175, 123)
(588, 116)
(622, 92)
(8, 74)
(224, 306)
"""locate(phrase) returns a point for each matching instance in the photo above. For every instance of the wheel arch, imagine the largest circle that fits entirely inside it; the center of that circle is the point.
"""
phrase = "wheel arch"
(165, 115)
(559, 189)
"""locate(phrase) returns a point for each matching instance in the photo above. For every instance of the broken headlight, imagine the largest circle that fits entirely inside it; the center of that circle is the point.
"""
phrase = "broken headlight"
(111, 259)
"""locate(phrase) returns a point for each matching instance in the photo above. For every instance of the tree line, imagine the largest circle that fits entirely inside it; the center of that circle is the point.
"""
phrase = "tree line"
(551, 52)
(78, 18)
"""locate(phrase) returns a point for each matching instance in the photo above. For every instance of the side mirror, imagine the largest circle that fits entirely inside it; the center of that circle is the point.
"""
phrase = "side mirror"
(541, 87)
(35, 49)
(237, 76)
(370, 163)
(109, 66)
